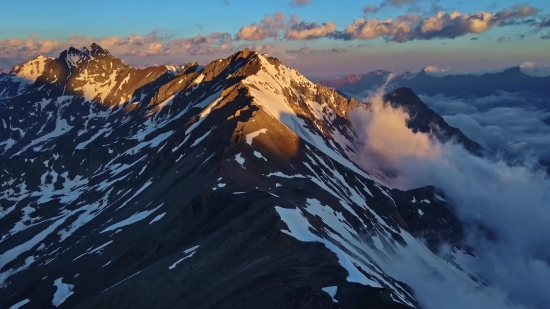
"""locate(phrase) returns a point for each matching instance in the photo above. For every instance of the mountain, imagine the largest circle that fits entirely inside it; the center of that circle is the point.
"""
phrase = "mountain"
(223, 186)
(509, 80)
(424, 119)
(357, 84)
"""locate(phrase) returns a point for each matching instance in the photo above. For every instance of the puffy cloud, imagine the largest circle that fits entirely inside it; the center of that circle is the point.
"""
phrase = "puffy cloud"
(15, 51)
(503, 39)
(133, 45)
(308, 31)
(299, 2)
(269, 27)
(514, 15)
(399, 29)
(442, 25)
(435, 70)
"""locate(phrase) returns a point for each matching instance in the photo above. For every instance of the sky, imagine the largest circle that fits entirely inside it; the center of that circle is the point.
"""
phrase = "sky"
(321, 38)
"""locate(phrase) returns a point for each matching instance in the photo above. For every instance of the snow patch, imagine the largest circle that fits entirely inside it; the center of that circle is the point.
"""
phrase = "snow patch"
(331, 291)
(64, 290)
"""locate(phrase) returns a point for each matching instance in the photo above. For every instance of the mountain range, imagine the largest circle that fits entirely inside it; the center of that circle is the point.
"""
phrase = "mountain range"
(510, 80)
(220, 186)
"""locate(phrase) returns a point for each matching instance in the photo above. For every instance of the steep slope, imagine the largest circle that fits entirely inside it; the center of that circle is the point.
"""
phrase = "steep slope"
(18, 79)
(222, 186)
(424, 119)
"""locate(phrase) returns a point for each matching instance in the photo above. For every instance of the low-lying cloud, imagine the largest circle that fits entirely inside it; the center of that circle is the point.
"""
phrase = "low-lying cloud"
(436, 71)
(516, 124)
(535, 69)
(510, 201)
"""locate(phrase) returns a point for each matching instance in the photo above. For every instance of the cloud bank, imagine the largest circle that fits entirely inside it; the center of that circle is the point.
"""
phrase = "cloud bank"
(517, 125)
(510, 201)
(401, 29)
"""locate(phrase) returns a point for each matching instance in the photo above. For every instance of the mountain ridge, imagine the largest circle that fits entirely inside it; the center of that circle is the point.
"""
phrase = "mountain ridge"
(203, 187)
(509, 80)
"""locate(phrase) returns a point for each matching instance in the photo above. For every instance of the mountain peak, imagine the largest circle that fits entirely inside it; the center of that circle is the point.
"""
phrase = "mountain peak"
(513, 71)
(74, 57)
(424, 119)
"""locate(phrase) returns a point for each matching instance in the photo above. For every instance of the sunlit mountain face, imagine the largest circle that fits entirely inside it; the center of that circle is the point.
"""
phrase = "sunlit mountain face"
(243, 184)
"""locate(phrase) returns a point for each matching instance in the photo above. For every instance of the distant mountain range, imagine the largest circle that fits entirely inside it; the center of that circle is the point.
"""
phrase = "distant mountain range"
(509, 80)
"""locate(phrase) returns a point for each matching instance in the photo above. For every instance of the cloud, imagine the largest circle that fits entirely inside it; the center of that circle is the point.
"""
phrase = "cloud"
(509, 201)
(264, 49)
(474, 39)
(365, 29)
(308, 31)
(299, 2)
(293, 29)
(370, 9)
(503, 39)
(269, 27)
(443, 25)
(514, 15)
(134, 45)
(436, 71)
(414, 6)
(511, 123)
(153, 44)
(306, 49)
(545, 36)
(397, 3)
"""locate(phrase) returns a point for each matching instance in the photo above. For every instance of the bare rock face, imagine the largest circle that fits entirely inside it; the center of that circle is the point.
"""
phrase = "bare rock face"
(224, 186)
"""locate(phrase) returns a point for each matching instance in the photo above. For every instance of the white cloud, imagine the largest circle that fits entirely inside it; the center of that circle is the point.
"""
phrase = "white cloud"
(436, 71)
(535, 69)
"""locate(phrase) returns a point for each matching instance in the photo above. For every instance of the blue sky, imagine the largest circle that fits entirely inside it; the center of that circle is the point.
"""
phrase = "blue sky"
(59, 20)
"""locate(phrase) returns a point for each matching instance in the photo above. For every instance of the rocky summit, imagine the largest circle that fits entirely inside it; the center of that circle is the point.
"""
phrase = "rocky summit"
(230, 185)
